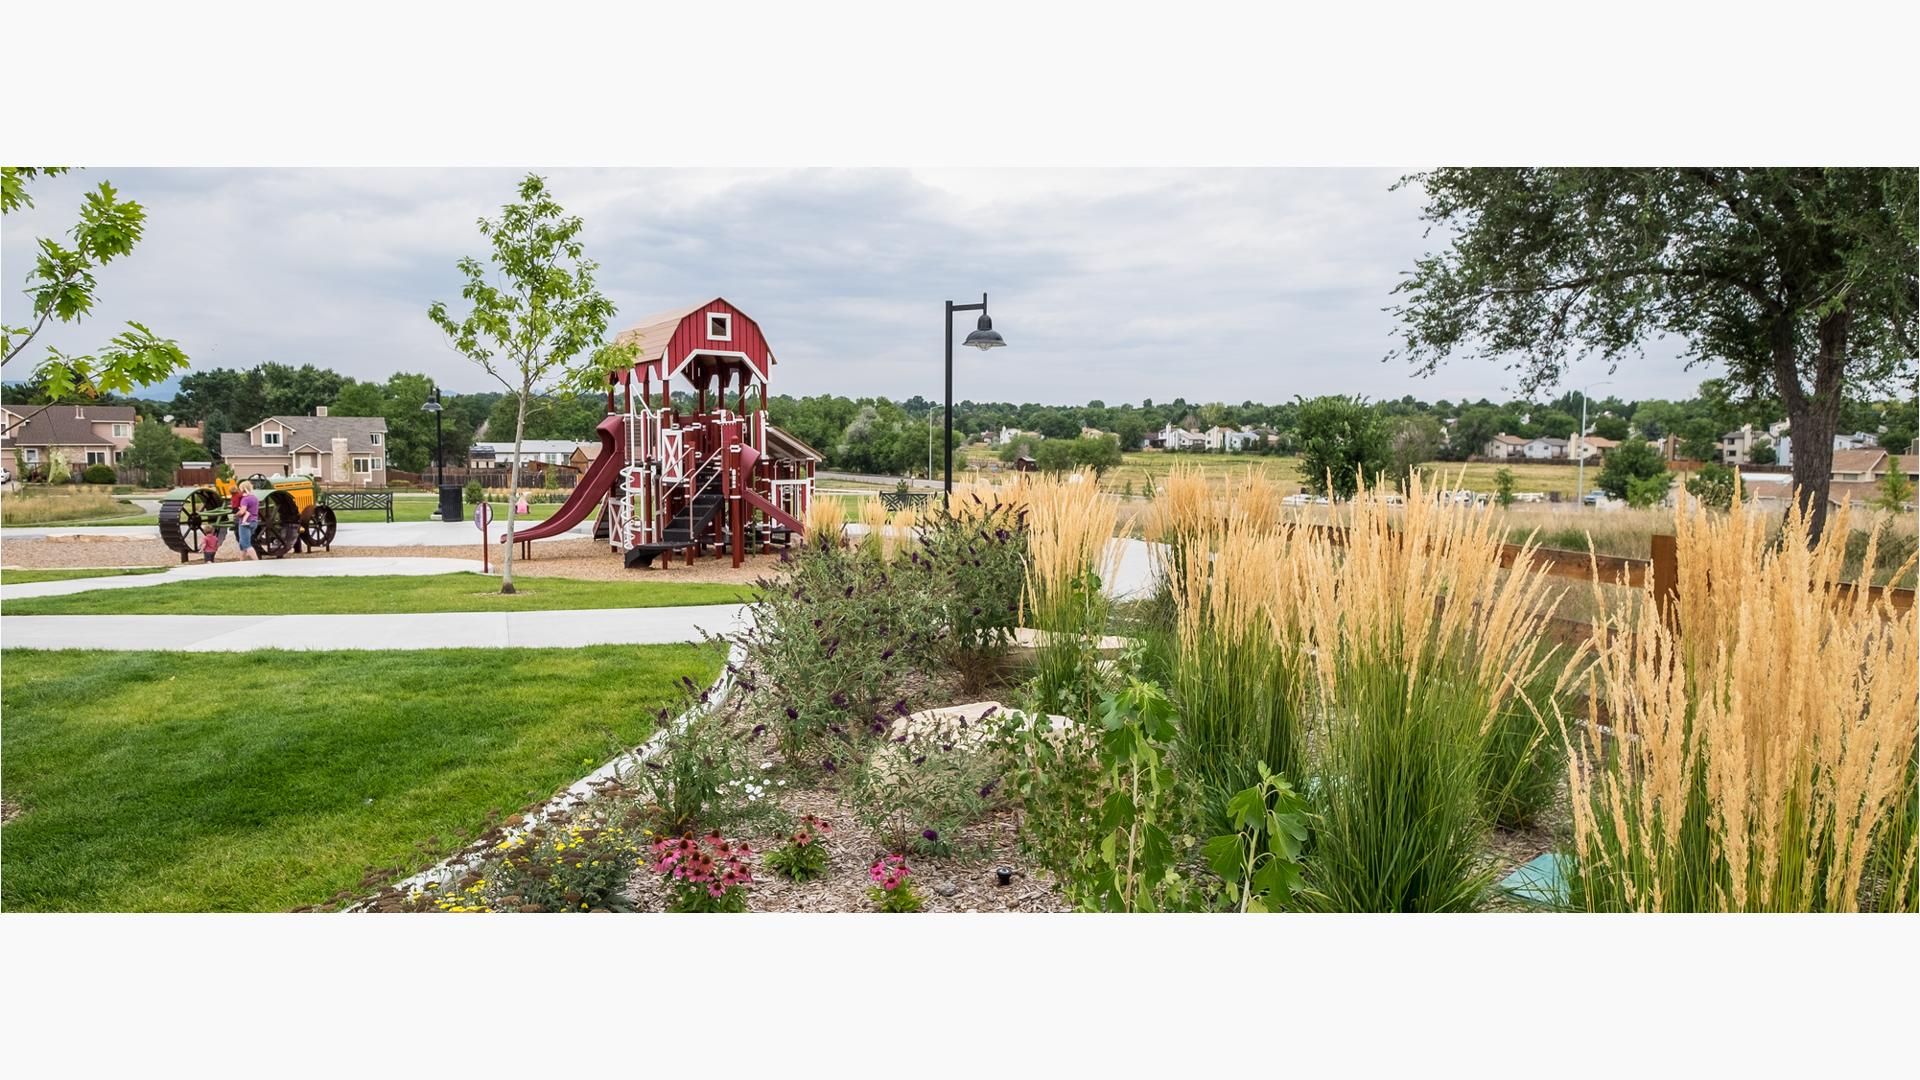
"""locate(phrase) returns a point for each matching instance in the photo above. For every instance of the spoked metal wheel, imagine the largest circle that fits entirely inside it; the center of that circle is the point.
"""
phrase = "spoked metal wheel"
(317, 527)
(181, 520)
(279, 526)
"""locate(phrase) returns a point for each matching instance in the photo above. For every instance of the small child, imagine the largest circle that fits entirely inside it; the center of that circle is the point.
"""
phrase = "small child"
(209, 542)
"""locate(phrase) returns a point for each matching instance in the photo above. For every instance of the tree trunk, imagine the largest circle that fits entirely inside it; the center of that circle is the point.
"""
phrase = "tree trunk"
(513, 489)
(1813, 416)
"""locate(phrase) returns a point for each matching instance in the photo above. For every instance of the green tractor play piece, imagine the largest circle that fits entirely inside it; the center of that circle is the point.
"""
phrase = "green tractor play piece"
(291, 515)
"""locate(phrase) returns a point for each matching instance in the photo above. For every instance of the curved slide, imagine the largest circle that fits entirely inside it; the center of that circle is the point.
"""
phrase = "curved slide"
(594, 484)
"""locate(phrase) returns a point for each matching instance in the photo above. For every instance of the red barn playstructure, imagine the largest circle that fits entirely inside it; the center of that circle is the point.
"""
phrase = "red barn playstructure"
(718, 478)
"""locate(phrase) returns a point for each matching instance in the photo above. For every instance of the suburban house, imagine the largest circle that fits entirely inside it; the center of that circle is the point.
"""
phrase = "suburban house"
(1229, 440)
(1008, 434)
(1179, 438)
(1588, 447)
(344, 451)
(1857, 475)
(1545, 448)
(1503, 446)
(1859, 440)
(83, 434)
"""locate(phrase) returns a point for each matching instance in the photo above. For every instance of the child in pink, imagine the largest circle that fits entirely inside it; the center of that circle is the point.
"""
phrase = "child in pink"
(209, 543)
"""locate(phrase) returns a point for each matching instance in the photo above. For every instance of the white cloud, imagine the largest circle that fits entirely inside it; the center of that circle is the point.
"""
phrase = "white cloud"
(1112, 283)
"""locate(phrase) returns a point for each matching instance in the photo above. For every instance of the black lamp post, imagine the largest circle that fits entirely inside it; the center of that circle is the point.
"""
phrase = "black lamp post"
(439, 448)
(983, 338)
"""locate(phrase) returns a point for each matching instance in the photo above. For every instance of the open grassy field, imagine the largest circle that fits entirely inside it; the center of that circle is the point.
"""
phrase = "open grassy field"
(1143, 470)
(23, 577)
(383, 595)
(154, 781)
(64, 506)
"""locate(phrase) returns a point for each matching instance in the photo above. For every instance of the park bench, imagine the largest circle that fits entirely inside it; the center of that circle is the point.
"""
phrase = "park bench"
(360, 500)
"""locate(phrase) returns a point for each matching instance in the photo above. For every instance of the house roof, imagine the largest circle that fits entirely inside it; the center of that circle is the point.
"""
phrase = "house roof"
(784, 444)
(318, 430)
(64, 425)
(1600, 442)
(1548, 440)
(1510, 440)
(1860, 461)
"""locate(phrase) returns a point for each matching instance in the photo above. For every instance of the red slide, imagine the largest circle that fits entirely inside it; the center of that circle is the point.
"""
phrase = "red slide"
(594, 484)
(752, 498)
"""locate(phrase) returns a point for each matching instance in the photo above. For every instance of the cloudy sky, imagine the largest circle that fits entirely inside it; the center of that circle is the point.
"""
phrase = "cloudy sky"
(1228, 284)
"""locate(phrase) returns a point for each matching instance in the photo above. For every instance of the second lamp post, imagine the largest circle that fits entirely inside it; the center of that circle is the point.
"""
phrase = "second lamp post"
(983, 338)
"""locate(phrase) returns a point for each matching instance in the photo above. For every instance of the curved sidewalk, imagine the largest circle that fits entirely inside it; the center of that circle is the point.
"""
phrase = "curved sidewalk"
(439, 630)
(354, 567)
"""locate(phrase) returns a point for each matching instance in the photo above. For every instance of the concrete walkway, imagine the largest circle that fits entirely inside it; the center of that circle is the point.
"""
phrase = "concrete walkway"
(361, 567)
(352, 533)
(443, 630)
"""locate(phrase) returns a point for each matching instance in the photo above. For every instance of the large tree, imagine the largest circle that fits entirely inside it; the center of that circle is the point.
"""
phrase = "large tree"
(1342, 445)
(61, 287)
(1801, 282)
(537, 321)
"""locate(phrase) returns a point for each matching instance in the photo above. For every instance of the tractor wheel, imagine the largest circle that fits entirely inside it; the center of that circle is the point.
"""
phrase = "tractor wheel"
(317, 527)
(181, 520)
(279, 526)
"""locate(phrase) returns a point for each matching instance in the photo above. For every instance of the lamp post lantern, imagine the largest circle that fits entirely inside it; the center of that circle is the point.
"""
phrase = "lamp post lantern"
(439, 448)
(983, 338)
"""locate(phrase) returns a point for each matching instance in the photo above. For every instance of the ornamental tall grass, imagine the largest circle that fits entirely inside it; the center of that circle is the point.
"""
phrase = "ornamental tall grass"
(1418, 641)
(1237, 672)
(1754, 752)
(1070, 557)
(826, 520)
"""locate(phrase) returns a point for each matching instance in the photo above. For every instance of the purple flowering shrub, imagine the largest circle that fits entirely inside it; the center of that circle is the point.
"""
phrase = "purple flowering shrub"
(977, 552)
(832, 645)
(927, 784)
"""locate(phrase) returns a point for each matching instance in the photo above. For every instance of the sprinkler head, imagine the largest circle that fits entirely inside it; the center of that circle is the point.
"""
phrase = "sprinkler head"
(1003, 875)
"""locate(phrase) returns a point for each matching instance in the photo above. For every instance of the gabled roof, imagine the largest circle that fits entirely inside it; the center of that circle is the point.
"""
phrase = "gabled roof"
(651, 334)
(318, 430)
(65, 425)
(1860, 461)
(1510, 440)
(1548, 440)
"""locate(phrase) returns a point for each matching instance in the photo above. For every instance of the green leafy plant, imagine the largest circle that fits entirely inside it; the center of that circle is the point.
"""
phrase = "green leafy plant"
(804, 856)
(1259, 861)
(697, 776)
(475, 494)
(1712, 485)
(891, 892)
(1134, 860)
(1523, 759)
(1503, 483)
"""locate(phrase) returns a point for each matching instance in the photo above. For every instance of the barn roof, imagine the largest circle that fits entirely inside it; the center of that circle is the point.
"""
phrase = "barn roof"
(653, 332)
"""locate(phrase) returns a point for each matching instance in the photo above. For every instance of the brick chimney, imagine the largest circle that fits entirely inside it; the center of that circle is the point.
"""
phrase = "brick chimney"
(319, 410)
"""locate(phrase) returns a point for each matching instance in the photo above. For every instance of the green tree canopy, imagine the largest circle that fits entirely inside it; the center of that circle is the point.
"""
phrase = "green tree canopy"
(1341, 439)
(1635, 459)
(536, 320)
(1801, 282)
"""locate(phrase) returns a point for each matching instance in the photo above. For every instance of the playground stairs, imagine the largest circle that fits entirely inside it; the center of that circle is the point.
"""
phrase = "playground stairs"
(692, 524)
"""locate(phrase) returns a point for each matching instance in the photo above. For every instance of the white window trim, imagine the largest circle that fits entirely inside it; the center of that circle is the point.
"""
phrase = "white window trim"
(30, 455)
(105, 456)
(363, 465)
(120, 431)
(375, 437)
(727, 318)
(270, 438)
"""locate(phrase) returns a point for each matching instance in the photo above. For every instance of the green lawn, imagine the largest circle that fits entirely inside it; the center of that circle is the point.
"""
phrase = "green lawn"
(22, 577)
(155, 781)
(382, 595)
